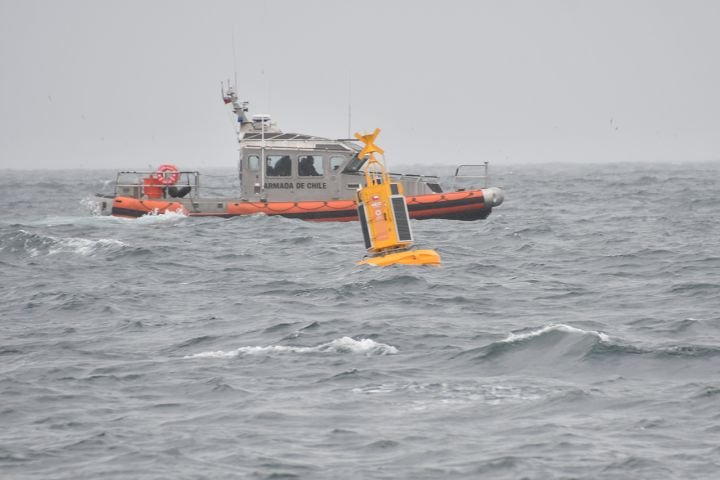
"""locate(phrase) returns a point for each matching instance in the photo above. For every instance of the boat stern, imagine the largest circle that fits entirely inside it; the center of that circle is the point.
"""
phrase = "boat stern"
(102, 205)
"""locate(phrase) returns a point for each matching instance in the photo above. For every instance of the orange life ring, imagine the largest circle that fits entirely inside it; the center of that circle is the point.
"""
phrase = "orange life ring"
(167, 174)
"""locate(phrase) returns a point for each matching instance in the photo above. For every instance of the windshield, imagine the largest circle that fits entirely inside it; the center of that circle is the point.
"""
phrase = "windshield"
(355, 164)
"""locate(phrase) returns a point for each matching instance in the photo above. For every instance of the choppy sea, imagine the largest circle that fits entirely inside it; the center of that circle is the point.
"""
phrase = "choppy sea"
(573, 334)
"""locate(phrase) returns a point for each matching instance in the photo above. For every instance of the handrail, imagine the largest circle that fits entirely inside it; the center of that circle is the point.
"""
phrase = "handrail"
(136, 187)
(485, 177)
(416, 177)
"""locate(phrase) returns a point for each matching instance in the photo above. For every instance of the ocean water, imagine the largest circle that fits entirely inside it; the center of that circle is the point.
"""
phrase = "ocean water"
(575, 333)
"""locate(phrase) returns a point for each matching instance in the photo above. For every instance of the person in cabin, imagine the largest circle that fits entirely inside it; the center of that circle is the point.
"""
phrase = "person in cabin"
(306, 167)
(283, 166)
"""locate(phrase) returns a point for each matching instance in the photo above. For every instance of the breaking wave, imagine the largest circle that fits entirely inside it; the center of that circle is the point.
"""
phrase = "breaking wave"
(92, 205)
(558, 343)
(342, 345)
(27, 244)
(558, 327)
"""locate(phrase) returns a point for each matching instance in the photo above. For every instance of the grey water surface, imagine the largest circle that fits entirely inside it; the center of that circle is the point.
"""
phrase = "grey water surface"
(575, 333)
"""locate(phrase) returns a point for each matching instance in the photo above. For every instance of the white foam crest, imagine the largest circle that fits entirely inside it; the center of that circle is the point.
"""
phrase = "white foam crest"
(165, 217)
(555, 327)
(27, 239)
(217, 354)
(365, 346)
(35, 244)
(92, 205)
(84, 246)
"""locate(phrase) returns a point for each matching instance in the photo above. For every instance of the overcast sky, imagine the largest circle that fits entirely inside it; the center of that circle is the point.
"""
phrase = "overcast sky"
(127, 84)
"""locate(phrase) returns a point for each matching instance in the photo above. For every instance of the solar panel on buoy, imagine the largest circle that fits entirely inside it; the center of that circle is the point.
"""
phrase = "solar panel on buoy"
(402, 218)
(363, 224)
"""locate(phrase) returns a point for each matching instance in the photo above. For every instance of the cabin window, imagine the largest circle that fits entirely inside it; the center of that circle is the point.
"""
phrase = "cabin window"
(310, 166)
(253, 163)
(278, 166)
(336, 163)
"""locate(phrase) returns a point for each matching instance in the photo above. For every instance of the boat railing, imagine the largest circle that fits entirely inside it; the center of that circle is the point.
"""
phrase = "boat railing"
(409, 177)
(131, 183)
(484, 176)
(415, 184)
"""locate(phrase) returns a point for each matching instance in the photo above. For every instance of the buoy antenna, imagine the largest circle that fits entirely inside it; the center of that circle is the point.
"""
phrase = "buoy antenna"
(375, 172)
(370, 148)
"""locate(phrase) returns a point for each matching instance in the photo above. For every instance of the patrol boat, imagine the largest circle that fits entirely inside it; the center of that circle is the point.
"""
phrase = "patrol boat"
(292, 175)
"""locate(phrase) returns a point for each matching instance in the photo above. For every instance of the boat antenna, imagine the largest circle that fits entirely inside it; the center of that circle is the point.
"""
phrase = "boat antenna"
(262, 158)
(234, 58)
(229, 96)
(349, 103)
(266, 81)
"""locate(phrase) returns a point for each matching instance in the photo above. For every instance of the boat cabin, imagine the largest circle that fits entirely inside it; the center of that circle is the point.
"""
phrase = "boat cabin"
(281, 167)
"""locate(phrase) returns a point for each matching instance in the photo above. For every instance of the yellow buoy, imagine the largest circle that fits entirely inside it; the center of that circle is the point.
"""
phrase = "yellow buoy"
(384, 216)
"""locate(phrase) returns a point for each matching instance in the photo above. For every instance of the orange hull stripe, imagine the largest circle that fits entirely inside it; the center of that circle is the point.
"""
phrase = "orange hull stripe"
(126, 204)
